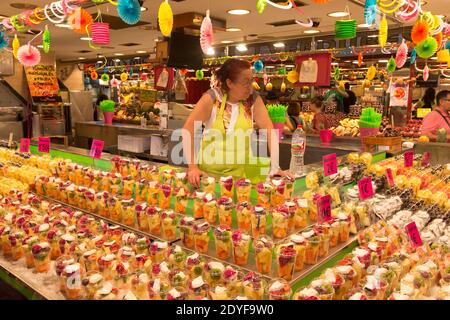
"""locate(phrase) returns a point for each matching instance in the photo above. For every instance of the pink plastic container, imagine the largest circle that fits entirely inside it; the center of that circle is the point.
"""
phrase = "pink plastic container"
(279, 127)
(326, 136)
(108, 117)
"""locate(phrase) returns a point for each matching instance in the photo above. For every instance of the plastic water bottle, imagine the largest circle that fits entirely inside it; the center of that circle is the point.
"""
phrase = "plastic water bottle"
(298, 146)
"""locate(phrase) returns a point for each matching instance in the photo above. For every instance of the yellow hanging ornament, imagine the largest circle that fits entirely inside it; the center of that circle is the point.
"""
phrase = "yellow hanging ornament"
(269, 86)
(383, 32)
(371, 73)
(124, 76)
(292, 76)
(165, 18)
(15, 46)
(283, 87)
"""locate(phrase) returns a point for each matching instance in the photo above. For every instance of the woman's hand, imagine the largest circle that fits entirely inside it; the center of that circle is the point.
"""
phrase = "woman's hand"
(282, 173)
(194, 174)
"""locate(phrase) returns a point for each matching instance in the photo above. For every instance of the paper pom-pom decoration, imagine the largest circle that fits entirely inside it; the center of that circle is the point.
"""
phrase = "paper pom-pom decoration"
(371, 73)
(28, 55)
(258, 65)
(94, 75)
(427, 48)
(402, 55)
(46, 40)
(425, 73)
(292, 76)
(15, 46)
(199, 74)
(345, 29)
(105, 77)
(370, 11)
(360, 59)
(100, 33)
(3, 40)
(79, 20)
(165, 18)
(419, 31)
(438, 38)
(129, 11)
(124, 76)
(383, 32)
(206, 33)
(413, 56)
(409, 11)
(443, 55)
(391, 65)
(114, 83)
(282, 71)
(261, 6)
(336, 73)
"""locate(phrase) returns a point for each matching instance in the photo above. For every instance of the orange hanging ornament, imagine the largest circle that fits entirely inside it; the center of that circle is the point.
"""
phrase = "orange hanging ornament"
(80, 21)
(360, 59)
(420, 31)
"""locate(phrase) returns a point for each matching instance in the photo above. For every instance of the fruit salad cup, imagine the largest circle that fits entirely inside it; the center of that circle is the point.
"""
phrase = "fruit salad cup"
(72, 278)
(169, 225)
(198, 289)
(181, 200)
(27, 245)
(209, 185)
(141, 216)
(300, 247)
(344, 232)
(214, 273)
(67, 243)
(195, 265)
(41, 255)
(141, 190)
(227, 186)
(89, 259)
(143, 263)
(289, 181)
(305, 293)
(334, 233)
(280, 217)
(128, 212)
(279, 289)
(158, 289)
(291, 209)
(181, 180)
(312, 248)
(241, 247)
(159, 251)
(177, 293)
(153, 193)
(219, 292)
(128, 187)
(324, 244)
(323, 288)
(106, 181)
(102, 203)
(278, 194)
(139, 285)
(243, 214)
(115, 208)
(233, 281)
(263, 247)
(198, 204)
(165, 193)
(5, 232)
(243, 190)
(258, 221)
(92, 282)
(90, 201)
(15, 241)
(264, 192)
(254, 286)
(210, 210)
(142, 245)
(201, 237)
(116, 183)
(122, 275)
(168, 176)
(178, 278)
(226, 211)
(222, 238)
(177, 258)
(340, 286)
(187, 232)
(154, 220)
(286, 255)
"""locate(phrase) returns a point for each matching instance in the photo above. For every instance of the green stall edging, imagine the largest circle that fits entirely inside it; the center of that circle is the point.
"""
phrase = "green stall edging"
(18, 286)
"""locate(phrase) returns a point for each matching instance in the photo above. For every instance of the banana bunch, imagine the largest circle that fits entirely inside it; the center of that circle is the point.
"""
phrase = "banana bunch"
(256, 86)
(347, 127)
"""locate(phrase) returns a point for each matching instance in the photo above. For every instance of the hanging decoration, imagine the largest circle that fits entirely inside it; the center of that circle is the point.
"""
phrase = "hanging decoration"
(391, 66)
(105, 77)
(371, 73)
(286, 6)
(438, 38)
(410, 12)
(261, 6)
(420, 31)
(258, 65)
(370, 11)
(447, 45)
(265, 78)
(28, 55)
(282, 71)
(94, 75)
(165, 18)
(100, 33)
(383, 32)
(443, 56)
(321, 1)
(80, 20)
(413, 56)
(114, 82)
(402, 55)
(199, 74)
(427, 48)
(345, 29)
(124, 76)
(360, 59)
(269, 86)
(283, 87)
(336, 73)
(206, 33)
(15, 45)
(389, 6)
(129, 11)
(4, 42)
(426, 73)
(292, 76)
(46, 40)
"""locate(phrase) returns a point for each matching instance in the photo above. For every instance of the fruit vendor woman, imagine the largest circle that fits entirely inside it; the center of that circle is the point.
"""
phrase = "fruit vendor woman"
(228, 114)
(438, 120)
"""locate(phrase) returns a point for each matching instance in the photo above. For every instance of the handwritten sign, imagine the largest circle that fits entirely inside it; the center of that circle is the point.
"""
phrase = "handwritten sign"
(426, 159)
(97, 148)
(44, 144)
(43, 83)
(25, 145)
(409, 157)
(329, 164)
(413, 234)
(390, 177)
(324, 208)
(365, 188)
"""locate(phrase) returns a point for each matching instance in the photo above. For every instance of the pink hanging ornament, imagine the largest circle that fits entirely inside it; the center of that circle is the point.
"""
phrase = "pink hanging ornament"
(206, 33)
(402, 54)
(426, 73)
(28, 55)
(100, 33)
(114, 82)
(265, 78)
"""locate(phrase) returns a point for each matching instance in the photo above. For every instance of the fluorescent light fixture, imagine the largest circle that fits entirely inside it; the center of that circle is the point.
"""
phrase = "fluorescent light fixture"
(81, 58)
(238, 12)
(241, 47)
(211, 51)
(137, 58)
(144, 9)
(311, 31)
(433, 58)
(372, 36)
(334, 63)
(40, 46)
(290, 66)
(63, 25)
(226, 41)
(118, 54)
(117, 60)
(141, 51)
(320, 40)
(270, 67)
(364, 25)
(383, 61)
(355, 62)
(278, 45)
(338, 14)
(233, 29)
(86, 38)
(156, 40)
(99, 61)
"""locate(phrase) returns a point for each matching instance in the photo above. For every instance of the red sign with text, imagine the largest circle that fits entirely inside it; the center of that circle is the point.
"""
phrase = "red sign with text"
(329, 164)
(324, 208)
(365, 188)
(409, 157)
(390, 177)
(413, 234)
(44, 144)
(97, 148)
(24, 145)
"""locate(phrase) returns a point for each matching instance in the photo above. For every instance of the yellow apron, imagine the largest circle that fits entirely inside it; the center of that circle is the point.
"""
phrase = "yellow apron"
(223, 154)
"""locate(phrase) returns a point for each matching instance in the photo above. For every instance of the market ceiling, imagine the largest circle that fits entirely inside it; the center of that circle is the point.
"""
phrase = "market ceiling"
(253, 26)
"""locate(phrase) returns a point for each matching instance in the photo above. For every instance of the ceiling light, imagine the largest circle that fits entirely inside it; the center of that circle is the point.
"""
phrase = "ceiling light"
(311, 31)
(144, 9)
(241, 47)
(99, 61)
(118, 54)
(233, 29)
(290, 66)
(117, 60)
(338, 14)
(373, 36)
(63, 25)
(433, 58)
(137, 58)
(278, 45)
(81, 58)
(226, 41)
(211, 51)
(40, 46)
(156, 40)
(238, 12)
(334, 63)
(383, 61)
(270, 67)
(86, 38)
(320, 40)
(356, 62)
(364, 25)
(141, 51)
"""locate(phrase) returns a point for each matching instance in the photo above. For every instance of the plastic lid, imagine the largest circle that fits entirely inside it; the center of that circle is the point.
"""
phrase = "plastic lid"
(299, 126)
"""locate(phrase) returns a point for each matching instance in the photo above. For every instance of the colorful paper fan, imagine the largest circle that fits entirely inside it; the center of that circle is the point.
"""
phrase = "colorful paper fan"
(105, 77)
(100, 33)
(336, 73)
(345, 29)
(360, 59)
(438, 38)
(321, 1)
(15, 46)
(94, 75)
(124, 76)
(46, 40)
(258, 65)
(413, 56)
(429, 18)
(199, 74)
(206, 33)
(411, 12)
(129, 11)
(165, 18)
(114, 82)
(3, 40)
(28, 55)
(391, 66)
(80, 20)
(427, 48)
(402, 55)
(419, 31)
(292, 76)
(370, 11)
(425, 73)
(383, 32)
(371, 73)
(261, 6)
(443, 55)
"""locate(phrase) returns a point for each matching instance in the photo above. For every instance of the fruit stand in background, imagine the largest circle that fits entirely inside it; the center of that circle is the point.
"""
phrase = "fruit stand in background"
(347, 127)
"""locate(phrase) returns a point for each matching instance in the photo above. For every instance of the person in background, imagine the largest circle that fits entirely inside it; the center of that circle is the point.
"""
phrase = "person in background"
(320, 121)
(272, 98)
(101, 97)
(438, 118)
(428, 100)
(350, 99)
(292, 118)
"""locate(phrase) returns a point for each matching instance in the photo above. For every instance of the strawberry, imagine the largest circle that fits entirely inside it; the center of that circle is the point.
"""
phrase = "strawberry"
(35, 249)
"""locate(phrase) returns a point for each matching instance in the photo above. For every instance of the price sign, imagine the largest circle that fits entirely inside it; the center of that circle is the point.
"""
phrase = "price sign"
(25, 145)
(365, 188)
(390, 177)
(324, 208)
(97, 148)
(426, 159)
(329, 164)
(44, 144)
(413, 234)
(409, 157)
(422, 112)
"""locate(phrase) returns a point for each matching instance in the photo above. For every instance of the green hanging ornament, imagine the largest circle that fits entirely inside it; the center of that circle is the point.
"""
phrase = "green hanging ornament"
(105, 77)
(199, 74)
(336, 73)
(46, 40)
(391, 66)
(282, 71)
(261, 5)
